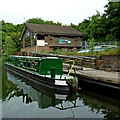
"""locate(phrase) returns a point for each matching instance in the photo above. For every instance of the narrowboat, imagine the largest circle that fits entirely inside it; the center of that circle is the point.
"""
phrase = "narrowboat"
(46, 72)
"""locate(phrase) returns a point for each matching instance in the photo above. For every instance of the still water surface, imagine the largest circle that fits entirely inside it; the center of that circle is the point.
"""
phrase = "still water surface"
(22, 100)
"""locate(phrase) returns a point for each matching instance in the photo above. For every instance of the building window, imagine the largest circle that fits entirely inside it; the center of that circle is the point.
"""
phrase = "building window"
(40, 37)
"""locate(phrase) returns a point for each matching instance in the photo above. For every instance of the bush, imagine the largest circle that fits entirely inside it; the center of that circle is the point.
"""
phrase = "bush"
(109, 52)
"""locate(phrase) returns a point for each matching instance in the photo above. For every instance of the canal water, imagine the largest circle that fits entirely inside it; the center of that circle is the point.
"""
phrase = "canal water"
(24, 100)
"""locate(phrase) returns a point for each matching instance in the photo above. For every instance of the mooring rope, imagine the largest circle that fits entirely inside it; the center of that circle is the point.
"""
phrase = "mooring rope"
(71, 68)
(71, 109)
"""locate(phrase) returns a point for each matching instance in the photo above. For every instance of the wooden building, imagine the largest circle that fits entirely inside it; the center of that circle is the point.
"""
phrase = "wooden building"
(39, 37)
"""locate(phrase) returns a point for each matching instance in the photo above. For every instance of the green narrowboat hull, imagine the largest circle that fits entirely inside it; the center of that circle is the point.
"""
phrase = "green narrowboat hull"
(40, 81)
(45, 72)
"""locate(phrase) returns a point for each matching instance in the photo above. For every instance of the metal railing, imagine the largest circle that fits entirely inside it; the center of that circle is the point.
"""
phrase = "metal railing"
(86, 44)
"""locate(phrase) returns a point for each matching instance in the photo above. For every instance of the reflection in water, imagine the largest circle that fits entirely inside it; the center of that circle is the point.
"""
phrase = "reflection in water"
(109, 107)
(26, 99)
(85, 104)
(30, 94)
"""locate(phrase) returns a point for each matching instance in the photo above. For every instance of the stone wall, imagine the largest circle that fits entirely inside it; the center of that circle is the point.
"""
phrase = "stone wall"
(109, 63)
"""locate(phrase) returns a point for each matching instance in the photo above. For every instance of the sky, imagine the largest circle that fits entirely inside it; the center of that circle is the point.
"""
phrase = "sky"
(63, 11)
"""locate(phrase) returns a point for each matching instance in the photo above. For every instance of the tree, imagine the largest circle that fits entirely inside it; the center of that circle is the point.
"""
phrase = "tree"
(8, 46)
(35, 21)
(15, 37)
(13, 31)
(102, 27)
(74, 26)
(41, 21)
(82, 27)
(112, 14)
(96, 27)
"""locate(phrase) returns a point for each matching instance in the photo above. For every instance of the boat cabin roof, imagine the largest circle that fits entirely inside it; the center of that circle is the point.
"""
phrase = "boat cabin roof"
(34, 57)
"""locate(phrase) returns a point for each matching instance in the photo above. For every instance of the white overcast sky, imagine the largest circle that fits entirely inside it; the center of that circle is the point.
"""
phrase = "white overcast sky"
(64, 11)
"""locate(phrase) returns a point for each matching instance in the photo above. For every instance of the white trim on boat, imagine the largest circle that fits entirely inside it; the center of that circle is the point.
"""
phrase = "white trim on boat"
(61, 82)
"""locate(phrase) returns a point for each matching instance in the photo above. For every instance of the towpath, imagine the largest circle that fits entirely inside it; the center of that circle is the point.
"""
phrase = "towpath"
(96, 75)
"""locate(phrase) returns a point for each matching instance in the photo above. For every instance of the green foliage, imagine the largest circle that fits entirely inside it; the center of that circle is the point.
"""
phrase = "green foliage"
(41, 21)
(112, 14)
(106, 52)
(83, 28)
(8, 89)
(65, 52)
(12, 32)
(103, 27)
(92, 41)
(35, 21)
(57, 51)
(0, 38)
(8, 46)
(74, 26)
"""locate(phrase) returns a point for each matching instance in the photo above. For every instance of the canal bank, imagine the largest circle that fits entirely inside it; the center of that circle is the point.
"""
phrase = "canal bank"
(98, 75)
(92, 79)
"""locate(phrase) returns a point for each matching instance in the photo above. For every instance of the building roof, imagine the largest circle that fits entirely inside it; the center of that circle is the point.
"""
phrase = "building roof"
(52, 29)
